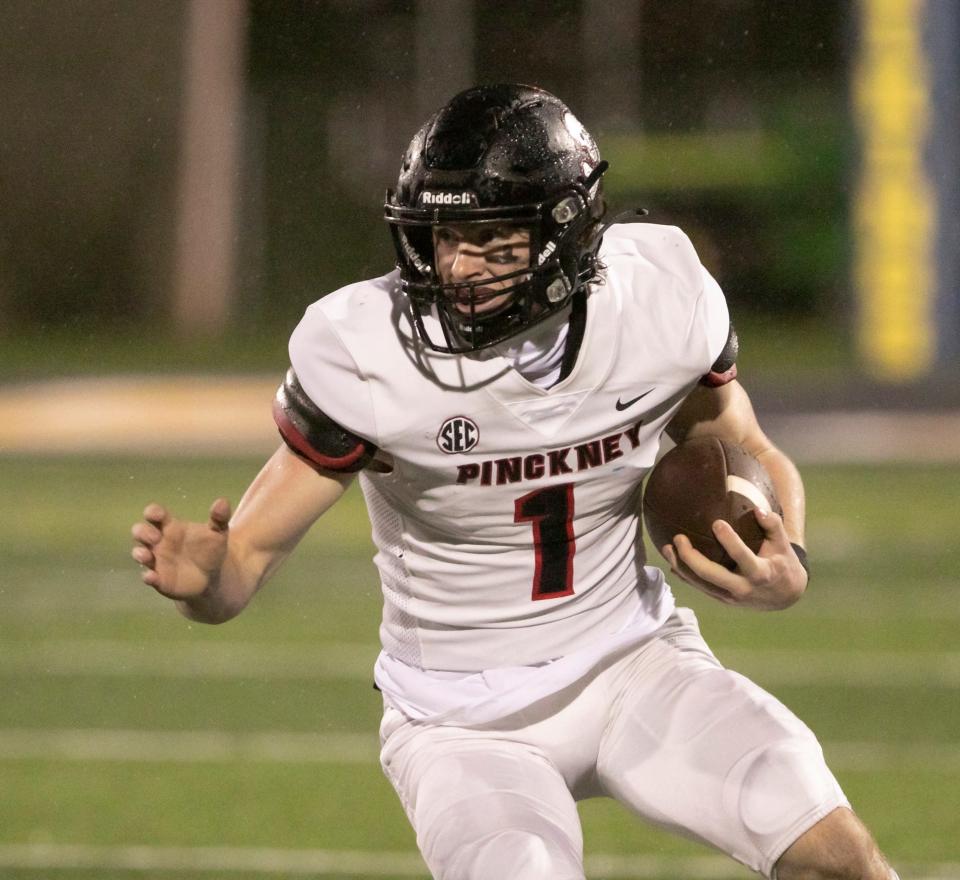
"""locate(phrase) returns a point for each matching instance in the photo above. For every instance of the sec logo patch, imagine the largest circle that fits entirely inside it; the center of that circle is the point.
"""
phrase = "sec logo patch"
(458, 435)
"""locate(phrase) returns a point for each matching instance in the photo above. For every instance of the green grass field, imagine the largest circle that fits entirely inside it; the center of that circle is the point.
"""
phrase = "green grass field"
(133, 743)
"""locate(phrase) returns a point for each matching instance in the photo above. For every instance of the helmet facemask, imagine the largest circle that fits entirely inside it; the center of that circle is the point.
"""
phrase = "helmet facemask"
(484, 274)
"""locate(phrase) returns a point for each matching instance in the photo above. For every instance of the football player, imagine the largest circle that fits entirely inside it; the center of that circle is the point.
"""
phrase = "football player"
(502, 394)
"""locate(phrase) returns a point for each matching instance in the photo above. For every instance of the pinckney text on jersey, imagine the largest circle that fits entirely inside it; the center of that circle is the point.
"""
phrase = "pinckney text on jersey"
(550, 463)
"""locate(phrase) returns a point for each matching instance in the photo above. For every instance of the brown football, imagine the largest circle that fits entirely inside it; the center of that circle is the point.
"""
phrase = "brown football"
(703, 480)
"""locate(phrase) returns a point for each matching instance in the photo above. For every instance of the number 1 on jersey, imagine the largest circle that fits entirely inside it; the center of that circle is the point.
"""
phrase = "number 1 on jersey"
(550, 510)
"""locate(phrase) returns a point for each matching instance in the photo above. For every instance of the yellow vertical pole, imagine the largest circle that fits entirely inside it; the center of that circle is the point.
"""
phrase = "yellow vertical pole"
(894, 273)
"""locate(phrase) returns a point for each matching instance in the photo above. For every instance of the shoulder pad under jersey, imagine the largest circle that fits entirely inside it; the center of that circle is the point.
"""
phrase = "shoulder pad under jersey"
(313, 435)
(724, 369)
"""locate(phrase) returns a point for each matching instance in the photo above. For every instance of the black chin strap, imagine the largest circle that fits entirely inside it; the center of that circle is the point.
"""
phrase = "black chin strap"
(578, 322)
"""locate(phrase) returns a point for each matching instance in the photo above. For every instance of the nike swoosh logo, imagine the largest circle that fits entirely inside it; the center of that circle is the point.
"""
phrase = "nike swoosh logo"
(622, 405)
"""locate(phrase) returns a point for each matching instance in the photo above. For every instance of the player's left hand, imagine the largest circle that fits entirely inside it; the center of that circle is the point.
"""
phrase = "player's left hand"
(769, 580)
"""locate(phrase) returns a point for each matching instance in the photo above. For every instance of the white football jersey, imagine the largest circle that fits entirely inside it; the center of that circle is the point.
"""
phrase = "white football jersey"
(508, 532)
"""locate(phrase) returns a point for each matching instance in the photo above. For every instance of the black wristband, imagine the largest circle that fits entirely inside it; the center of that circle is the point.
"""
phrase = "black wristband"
(802, 556)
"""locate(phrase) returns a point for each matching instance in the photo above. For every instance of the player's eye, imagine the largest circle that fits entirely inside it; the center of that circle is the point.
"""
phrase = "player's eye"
(443, 235)
(503, 257)
(496, 232)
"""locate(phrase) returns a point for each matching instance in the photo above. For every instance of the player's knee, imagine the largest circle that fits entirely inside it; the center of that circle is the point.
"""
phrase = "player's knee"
(778, 784)
(514, 855)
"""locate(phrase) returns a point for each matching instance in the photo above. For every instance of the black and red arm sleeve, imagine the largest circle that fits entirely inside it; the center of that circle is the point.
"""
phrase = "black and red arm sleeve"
(724, 368)
(313, 435)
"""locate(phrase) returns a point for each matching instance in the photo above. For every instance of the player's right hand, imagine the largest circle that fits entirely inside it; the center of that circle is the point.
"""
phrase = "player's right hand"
(181, 560)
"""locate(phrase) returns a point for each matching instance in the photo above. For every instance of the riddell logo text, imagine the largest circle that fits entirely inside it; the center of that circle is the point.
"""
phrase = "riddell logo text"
(552, 463)
(447, 198)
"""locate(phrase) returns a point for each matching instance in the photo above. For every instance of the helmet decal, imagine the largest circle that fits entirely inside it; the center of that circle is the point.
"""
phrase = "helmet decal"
(576, 129)
(547, 251)
(412, 254)
(429, 197)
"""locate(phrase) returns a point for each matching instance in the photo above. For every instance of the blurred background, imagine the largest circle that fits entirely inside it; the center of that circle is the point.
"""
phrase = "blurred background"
(182, 170)
(179, 180)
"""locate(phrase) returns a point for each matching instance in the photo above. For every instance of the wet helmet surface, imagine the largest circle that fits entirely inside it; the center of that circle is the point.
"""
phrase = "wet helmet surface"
(505, 156)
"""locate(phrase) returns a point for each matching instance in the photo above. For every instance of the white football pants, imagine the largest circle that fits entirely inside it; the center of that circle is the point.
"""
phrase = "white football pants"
(684, 743)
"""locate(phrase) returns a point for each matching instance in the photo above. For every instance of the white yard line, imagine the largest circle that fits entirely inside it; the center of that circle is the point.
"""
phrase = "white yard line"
(287, 862)
(354, 660)
(284, 747)
(193, 859)
(854, 668)
(177, 659)
(873, 757)
(187, 747)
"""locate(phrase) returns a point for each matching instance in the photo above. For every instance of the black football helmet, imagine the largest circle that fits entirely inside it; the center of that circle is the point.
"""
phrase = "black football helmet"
(497, 156)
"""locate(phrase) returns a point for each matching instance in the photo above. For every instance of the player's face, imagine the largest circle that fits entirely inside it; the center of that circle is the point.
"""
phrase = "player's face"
(480, 257)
